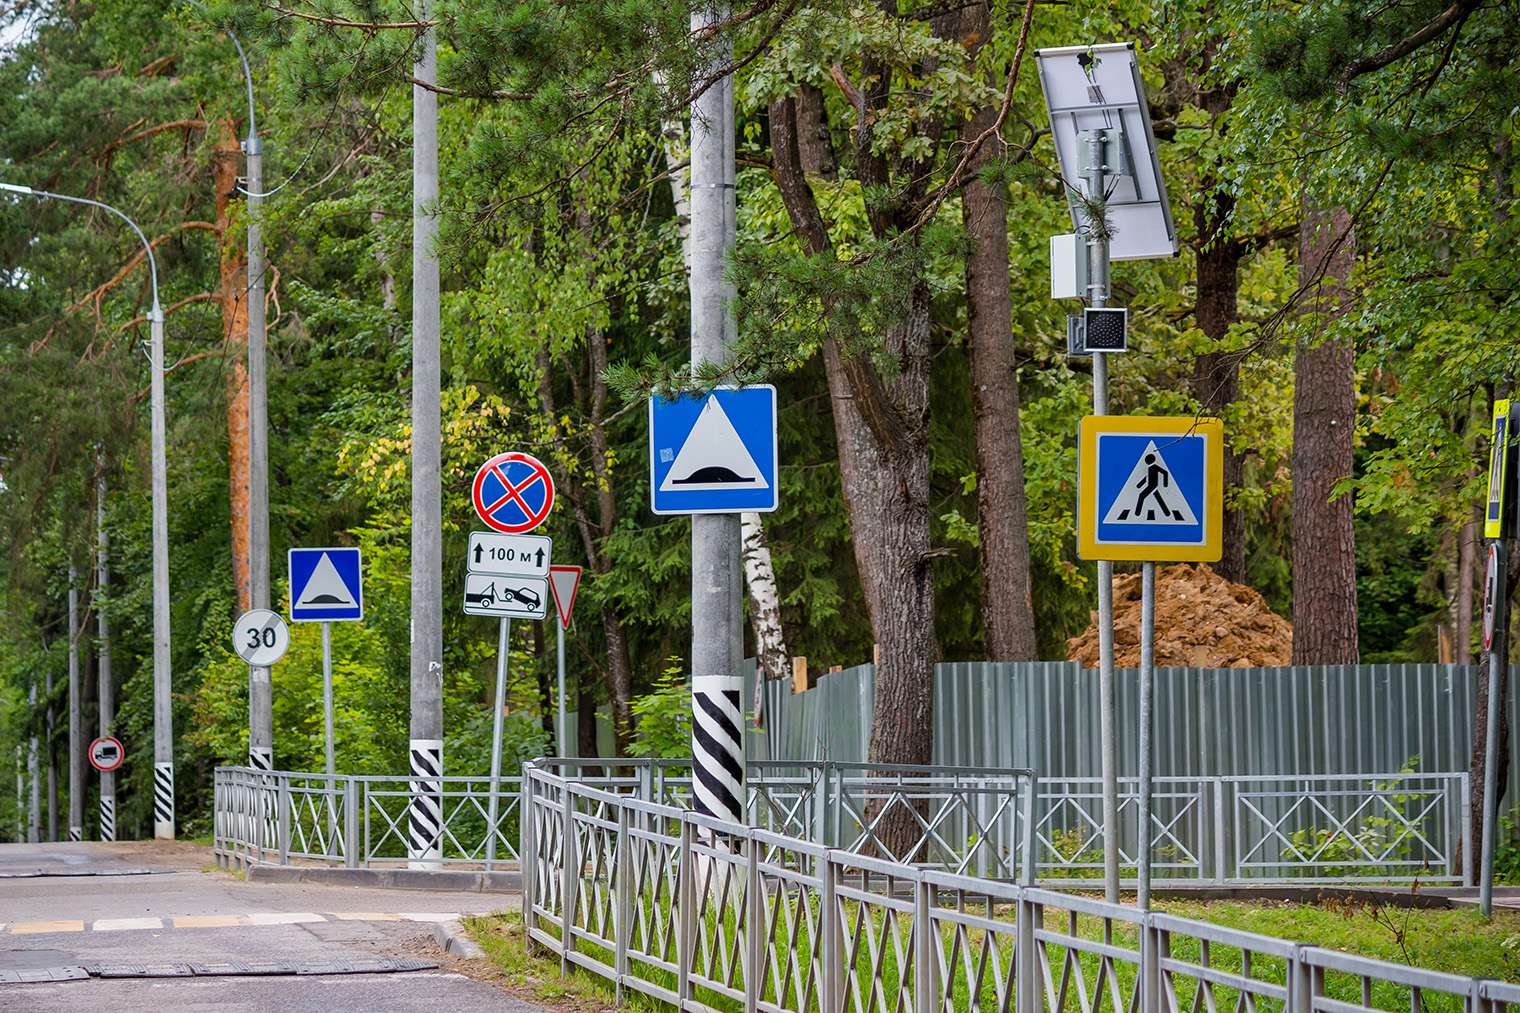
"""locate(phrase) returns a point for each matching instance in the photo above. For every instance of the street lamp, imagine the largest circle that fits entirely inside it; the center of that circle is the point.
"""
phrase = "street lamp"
(260, 701)
(163, 727)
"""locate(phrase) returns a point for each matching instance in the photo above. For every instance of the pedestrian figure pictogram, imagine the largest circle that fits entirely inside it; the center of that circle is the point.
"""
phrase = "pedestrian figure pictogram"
(1150, 496)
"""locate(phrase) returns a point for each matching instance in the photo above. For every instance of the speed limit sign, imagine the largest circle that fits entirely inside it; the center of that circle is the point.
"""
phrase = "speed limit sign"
(260, 637)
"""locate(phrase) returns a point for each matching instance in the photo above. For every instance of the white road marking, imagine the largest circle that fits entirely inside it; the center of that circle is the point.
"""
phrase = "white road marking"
(278, 918)
(113, 924)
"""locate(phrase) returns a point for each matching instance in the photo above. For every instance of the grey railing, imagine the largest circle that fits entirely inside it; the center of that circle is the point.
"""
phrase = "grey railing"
(710, 916)
(1311, 829)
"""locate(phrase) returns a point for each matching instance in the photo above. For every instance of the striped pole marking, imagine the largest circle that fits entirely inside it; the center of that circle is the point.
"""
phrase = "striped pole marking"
(108, 817)
(163, 800)
(717, 746)
(425, 814)
(76, 833)
(261, 758)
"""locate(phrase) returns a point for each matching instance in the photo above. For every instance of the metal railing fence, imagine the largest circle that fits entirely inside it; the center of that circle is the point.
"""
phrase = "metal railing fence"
(1390, 828)
(717, 917)
(351, 820)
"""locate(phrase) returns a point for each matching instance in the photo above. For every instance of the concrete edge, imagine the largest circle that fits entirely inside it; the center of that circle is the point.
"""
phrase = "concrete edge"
(397, 879)
(452, 938)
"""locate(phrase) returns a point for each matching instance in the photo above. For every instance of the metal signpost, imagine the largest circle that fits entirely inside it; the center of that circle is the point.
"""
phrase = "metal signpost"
(564, 581)
(1100, 120)
(326, 586)
(508, 576)
(1498, 524)
(1149, 488)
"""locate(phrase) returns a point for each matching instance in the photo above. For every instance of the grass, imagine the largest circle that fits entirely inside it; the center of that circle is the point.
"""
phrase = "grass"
(1455, 940)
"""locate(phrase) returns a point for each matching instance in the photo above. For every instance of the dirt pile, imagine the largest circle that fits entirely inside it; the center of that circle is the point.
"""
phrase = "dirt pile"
(1202, 620)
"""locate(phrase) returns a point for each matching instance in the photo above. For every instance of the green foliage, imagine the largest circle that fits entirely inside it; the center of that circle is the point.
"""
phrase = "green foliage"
(664, 716)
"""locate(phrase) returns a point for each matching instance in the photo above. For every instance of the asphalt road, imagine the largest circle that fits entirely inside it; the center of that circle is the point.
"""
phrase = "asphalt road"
(89, 903)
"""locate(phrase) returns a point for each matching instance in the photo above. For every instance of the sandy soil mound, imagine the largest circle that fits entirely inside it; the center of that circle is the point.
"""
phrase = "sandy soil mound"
(1202, 620)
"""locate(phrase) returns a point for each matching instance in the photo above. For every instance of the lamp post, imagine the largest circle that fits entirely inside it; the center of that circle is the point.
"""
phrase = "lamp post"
(163, 728)
(260, 704)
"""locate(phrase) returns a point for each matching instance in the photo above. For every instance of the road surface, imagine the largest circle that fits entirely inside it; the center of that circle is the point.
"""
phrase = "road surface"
(157, 904)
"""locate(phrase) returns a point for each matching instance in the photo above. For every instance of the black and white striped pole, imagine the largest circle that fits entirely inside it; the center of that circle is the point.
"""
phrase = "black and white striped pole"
(425, 812)
(106, 688)
(717, 746)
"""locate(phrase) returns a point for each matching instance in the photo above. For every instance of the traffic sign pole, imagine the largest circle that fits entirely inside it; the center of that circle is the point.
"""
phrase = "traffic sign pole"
(327, 731)
(566, 747)
(1147, 706)
(1496, 606)
(504, 638)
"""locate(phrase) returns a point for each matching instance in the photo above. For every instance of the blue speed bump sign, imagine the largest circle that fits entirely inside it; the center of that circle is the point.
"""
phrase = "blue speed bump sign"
(326, 585)
(1150, 488)
(715, 454)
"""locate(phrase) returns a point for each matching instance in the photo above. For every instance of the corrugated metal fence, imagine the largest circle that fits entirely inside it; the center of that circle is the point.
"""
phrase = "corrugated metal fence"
(1344, 719)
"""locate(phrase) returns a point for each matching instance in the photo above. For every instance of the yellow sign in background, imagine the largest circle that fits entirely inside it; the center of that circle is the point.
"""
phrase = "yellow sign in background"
(1498, 472)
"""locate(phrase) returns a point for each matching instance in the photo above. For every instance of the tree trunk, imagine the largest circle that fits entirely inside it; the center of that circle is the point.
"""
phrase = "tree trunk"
(764, 600)
(233, 298)
(1002, 517)
(1324, 416)
(1467, 553)
(1216, 375)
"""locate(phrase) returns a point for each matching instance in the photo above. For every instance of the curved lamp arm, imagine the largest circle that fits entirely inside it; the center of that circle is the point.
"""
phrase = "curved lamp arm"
(253, 127)
(152, 264)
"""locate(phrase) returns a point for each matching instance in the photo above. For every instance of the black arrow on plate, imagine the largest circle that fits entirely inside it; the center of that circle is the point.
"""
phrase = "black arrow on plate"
(540, 558)
(478, 551)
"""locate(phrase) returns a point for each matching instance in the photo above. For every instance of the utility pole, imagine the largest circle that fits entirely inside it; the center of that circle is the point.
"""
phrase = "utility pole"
(1097, 287)
(103, 629)
(163, 714)
(76, 717)
(717, 602)
(260, 695)
(426, 816)
(34, 774)
(52, 762)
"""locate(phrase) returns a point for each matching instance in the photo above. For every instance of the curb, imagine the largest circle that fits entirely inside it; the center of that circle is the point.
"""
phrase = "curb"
(393, 879)
(452, 938)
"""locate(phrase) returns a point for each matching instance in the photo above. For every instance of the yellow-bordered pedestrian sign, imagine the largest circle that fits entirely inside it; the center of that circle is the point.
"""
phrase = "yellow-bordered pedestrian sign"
(1150, 488)
(1494, 518)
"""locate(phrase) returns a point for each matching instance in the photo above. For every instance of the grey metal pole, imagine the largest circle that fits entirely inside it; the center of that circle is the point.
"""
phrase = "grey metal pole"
(106, 689)
(327, 698)
(1496, 673)
(1097, 259)
(76, 717)
(1147, 701)
(52, 762)
(716, 567)
(34, 774)
(163, 714)
(426, 816)
(503, 641)
(566, 744)
(260, 696)
(327, 739)
(260, 690)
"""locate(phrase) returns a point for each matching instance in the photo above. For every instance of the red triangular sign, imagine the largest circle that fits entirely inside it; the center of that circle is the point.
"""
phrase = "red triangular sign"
(564, 581)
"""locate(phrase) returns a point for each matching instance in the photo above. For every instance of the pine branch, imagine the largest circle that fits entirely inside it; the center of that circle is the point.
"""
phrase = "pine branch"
(369, 26)
(1451, 16)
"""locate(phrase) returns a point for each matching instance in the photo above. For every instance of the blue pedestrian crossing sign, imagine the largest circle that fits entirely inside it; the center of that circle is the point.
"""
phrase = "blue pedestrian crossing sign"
(326, 585)
(1150, 488)
(715, 454)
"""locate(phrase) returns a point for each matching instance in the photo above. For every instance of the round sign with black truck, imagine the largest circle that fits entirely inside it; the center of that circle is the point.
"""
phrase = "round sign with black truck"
(106, 754)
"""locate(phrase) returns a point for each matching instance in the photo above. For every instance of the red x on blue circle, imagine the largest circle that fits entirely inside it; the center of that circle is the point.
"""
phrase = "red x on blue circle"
(513, 492)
